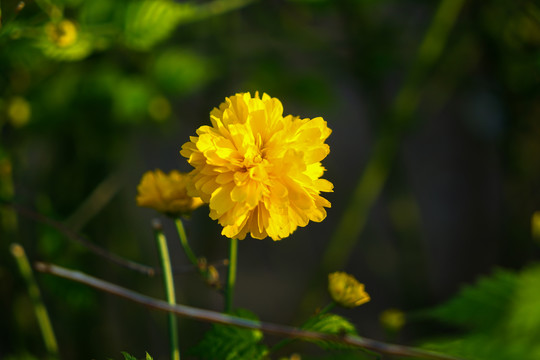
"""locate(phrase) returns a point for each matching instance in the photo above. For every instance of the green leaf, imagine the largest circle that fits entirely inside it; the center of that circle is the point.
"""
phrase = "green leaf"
(131, 357)
(75, 52)
(131, 99)
(230, 342)
(523, 320)
(148, 22)
(480, 306)
(128, 356)
(180, 72)
(330, 324)
(501, 314)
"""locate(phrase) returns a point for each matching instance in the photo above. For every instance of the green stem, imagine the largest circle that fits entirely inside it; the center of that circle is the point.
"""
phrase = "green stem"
(231, 275)
(327, 308)
(169, 287)
(42, 316)
(185, 245)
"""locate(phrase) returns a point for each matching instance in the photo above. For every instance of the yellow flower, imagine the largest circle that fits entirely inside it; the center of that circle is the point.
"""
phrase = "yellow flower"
(259, 170)
(63, 34)
(166, 193)
(346, 290)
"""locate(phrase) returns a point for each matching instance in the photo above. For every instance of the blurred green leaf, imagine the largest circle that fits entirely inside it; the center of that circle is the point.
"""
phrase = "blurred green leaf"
(131, 99)
(128, 356)
(78, 51)
(98, 12)
(230, 342)
(181, 72)
(65, 41)
(148, 22)
(330, 324)
(482, 305)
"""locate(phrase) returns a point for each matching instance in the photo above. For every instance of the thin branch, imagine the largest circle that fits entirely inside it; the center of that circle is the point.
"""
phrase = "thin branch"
(220, 318)
(97, 250)
(78, 238)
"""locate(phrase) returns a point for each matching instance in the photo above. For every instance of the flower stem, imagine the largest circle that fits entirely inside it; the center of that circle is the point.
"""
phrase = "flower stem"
(231, 275)
(42, 316)
(327, 308)
(185, 245)
(169, 287)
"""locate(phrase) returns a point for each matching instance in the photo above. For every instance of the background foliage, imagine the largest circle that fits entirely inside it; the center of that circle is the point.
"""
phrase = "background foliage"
(94, 93)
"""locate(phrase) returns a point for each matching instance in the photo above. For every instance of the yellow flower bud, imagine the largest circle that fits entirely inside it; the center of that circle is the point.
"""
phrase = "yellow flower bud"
(392, 319)
(346, 290)
(166, 193)
(63, 34)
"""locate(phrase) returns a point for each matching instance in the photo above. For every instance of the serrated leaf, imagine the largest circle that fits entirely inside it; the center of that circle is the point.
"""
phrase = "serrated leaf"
(524, 313)
(128, 356)
(330, 324)
(504, 318)
(231, 343)
(479, 306)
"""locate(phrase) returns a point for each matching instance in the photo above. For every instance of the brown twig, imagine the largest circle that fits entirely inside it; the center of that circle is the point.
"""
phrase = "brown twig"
(97, 250)
(80, 239)
(220, 318)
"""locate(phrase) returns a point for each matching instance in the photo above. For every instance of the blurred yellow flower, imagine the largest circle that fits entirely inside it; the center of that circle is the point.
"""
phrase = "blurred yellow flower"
(535, 225)
(392, 319)
(63, 33)
(166, 193)
(259, 171)
(19, 111)
(346, 290)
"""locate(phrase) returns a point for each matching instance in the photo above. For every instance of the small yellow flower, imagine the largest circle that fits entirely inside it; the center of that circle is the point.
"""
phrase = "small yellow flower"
(392, 319)
(166, 193)
(259, 171)
(63, 34)
(346, 290)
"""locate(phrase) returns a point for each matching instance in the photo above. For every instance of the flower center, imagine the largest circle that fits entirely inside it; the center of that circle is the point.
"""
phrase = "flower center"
(252, 158)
